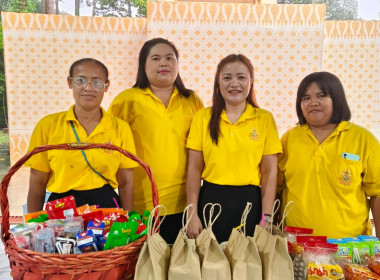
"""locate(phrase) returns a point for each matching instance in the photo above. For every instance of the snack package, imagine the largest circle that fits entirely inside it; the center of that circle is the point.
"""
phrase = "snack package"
(120, 234)
(86, 241)
(73, 227)
(40, 219)
(367, 238)
(33, 215)
(359, 249)
(62, 208)
(44, 240)
(23, 234)
(96, 216)
(353, 271)
(373, 263)
(374, 248)
(291, 234)
(58, 225)
(320, 262)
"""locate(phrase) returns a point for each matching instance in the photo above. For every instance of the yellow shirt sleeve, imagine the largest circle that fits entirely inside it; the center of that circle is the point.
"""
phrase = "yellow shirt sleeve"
(195, 138)
(371, 168)
(272, 141)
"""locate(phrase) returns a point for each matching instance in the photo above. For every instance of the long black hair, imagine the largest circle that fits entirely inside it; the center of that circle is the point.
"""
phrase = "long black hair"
(142, 80)
(218, 103)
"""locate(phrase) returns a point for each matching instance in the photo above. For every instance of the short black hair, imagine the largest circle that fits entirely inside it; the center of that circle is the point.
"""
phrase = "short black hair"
(86, 60)
(330, 85)
(141, 78)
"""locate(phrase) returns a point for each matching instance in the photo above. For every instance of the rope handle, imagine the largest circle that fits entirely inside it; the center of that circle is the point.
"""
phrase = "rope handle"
(243, 221)
(186, 214)
(286, 212)
(211, 221)
(155, 214)
(4, 203)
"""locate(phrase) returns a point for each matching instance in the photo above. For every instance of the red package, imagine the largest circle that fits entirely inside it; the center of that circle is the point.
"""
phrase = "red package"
(108, 220)
(62, 208)
(96, 216)
(353, 271)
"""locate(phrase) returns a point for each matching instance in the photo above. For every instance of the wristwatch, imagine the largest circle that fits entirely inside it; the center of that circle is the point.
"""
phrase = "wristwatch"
(267, 218)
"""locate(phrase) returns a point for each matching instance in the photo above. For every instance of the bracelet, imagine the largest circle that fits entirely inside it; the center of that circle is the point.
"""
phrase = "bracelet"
(266, 218)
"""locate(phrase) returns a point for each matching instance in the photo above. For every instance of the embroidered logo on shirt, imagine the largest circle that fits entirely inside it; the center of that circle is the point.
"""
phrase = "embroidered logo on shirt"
(345, 177)
(106, 150)
(254, 135)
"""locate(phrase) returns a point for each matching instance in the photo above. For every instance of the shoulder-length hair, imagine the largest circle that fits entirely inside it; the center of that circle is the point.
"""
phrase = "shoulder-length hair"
(330, 85)
(141, 78)
(218, 103)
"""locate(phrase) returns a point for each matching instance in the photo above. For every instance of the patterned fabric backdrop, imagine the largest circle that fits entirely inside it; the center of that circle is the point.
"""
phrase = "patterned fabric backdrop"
(284, 42)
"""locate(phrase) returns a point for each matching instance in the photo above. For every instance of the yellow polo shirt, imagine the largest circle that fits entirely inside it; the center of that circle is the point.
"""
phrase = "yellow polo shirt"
(241, 146)
(330, 192)
(160, 135)
(68, 169)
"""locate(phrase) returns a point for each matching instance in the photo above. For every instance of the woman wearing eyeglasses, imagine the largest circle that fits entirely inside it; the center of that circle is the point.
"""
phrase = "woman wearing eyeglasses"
(91, 176)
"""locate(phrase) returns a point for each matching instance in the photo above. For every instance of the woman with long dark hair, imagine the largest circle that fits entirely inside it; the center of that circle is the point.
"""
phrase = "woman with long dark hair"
(159, 109)
(233, 147)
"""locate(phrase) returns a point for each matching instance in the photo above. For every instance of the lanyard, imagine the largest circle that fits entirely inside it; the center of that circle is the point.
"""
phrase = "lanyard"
(84, 154)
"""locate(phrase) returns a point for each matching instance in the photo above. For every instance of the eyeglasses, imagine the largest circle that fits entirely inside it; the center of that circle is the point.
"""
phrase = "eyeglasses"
(81, 83)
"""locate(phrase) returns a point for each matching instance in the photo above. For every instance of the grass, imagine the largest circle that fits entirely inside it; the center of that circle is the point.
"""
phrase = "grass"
(4, 138)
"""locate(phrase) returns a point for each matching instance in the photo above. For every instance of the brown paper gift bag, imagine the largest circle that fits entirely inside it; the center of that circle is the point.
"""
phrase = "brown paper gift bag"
(184, 260)
(241, 251)
(273, 251)
(214, 264)
(153, 261)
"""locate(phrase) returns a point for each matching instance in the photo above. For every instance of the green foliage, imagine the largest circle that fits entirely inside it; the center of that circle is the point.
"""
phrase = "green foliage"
(335, 9)
(141, 7)
(118, 8)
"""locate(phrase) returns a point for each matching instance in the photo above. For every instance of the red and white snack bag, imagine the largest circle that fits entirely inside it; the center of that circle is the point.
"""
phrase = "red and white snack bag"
(62, 208)
(354, 271)
(292, 233)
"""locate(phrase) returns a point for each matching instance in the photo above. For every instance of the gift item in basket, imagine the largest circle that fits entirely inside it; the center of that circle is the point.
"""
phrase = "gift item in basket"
(44, 240)
(115, 264)
(62, 208)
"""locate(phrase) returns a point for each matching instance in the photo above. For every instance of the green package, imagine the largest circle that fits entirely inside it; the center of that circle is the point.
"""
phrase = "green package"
(374, 247)
(344, 252)
(40, 219)
(358, 251)
(145, 217)
(120, 234)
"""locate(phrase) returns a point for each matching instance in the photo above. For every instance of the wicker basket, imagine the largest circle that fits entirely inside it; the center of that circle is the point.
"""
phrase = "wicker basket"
(117, 263)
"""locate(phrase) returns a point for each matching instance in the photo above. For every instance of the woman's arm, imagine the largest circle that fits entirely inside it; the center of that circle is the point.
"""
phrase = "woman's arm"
(193, 185)
(125, 179)
(268, 169)
(375, 208)
(37, 190)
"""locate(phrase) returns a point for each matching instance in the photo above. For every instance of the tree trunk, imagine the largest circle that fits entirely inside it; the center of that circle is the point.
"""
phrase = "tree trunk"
(49, 7)
(57, 7)
(129, 9)
(93, 8)
(77, 5)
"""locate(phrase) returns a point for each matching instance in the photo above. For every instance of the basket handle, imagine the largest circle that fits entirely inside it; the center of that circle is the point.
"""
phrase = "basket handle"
(4, 203)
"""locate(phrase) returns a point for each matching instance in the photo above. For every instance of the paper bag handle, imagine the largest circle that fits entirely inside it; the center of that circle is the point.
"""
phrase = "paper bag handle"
(243, 221)
(211, 221)
(157, 221)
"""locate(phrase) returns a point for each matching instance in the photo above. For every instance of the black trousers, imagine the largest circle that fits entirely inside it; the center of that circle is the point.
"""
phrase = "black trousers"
(101, 196)
(170, 227)
(233, 200)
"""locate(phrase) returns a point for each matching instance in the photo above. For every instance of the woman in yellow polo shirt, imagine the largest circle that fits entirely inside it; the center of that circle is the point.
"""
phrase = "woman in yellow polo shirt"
(92, 175)
(159, 110)
(329, 166)
(233, 147)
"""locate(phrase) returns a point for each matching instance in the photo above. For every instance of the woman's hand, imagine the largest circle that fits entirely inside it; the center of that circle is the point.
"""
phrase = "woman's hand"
(195, 227)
